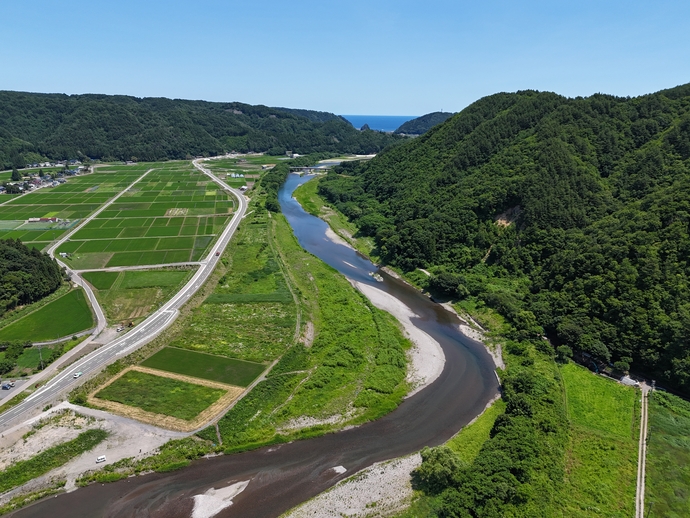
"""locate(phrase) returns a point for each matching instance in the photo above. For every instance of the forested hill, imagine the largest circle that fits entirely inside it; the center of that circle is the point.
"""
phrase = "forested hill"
(422, 124)
(569, 216)
(56, 126)
(26, 275)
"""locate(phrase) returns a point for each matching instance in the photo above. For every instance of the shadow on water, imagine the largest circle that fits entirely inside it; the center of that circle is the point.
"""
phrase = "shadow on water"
(284, 476)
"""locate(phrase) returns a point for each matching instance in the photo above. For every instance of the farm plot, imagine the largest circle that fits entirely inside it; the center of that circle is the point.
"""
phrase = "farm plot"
(63, 317)
(205, 366)
(172, 216)
(69, 203)
(130, 296)
(160, 395)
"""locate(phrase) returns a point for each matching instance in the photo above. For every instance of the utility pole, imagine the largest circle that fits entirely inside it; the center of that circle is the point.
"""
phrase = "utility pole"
(40, 355)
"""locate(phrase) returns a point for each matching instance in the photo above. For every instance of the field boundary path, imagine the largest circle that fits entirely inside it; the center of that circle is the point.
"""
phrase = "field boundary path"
(642, 454)
(141, 334)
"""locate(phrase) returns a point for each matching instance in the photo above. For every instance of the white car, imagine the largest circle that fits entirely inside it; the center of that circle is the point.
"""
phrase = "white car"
(76, 375)
(100, 459)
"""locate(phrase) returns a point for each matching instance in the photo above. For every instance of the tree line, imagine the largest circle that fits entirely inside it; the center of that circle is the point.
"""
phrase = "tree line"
(26, 275)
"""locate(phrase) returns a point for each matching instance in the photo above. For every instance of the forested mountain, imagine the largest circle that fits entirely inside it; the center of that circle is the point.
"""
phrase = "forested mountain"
(312, 115)
(423, 124)
(56, 126)
(26, 275)
(569, 216)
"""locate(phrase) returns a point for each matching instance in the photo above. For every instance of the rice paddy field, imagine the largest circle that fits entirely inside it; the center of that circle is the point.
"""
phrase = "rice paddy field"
(171, 216)
(70, 202)
(205, 366)
(160, 395)
(64, 316)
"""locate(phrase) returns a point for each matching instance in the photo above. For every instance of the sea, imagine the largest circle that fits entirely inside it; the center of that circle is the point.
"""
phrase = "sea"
(379, 122)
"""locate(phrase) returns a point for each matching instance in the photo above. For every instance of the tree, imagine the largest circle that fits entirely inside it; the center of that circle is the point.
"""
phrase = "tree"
(563, 353)
(41, 174)
(16, 176)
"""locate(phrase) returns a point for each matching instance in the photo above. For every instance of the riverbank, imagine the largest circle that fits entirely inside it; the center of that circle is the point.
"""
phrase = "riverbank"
(426, 358)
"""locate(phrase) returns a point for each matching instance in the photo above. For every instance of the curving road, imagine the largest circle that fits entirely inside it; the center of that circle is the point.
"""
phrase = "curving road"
(140, 335)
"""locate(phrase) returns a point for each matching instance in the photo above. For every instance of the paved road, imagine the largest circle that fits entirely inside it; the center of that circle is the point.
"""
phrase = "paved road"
(642, 455)
(140, 335)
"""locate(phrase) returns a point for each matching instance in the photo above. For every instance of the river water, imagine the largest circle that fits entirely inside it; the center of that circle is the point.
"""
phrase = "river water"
(286, 475)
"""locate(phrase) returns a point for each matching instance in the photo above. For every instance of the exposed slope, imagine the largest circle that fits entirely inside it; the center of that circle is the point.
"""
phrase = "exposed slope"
(424, 123)
(121, 127)
(570, 216)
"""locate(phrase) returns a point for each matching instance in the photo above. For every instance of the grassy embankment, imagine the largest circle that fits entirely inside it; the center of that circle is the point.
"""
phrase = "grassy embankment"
(132, 295)
(23, 471)
(668, 457)
(64, 316)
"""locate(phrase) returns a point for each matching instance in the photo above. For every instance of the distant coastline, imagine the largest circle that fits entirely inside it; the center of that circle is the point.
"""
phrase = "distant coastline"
(379, 122)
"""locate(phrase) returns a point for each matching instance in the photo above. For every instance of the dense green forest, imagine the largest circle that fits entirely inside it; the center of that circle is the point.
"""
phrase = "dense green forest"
(56, 126)
(26, 275)
(422, 124)
(568, 215)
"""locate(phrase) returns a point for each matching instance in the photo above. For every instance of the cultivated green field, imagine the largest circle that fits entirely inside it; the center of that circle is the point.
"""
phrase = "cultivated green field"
(70, 202)
(205, 366)
(131, 295)
(63, 317)
(668, 457)
(601, 461)
(101, 280)
(160, 395)
(171, 216)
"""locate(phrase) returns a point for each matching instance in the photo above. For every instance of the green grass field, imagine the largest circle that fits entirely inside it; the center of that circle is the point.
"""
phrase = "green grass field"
(470, 439)
(153, 278)
(161, 395)
(205, 366)
(668, 457)
(131, 295)
(63, 317)
(101, 280)
(601, 460)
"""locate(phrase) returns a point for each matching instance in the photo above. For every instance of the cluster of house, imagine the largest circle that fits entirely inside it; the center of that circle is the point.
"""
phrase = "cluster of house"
(59, 163)
(35, 181)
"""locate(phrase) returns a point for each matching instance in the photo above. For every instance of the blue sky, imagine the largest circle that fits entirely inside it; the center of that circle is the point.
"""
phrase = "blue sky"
(350, 57)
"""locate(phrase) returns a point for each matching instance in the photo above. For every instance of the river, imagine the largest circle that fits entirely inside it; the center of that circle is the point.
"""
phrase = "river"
(281, 477)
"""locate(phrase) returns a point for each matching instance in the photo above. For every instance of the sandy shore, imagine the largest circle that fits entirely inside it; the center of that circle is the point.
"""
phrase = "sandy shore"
(426, 356)
(336, 238)
(379, 490)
